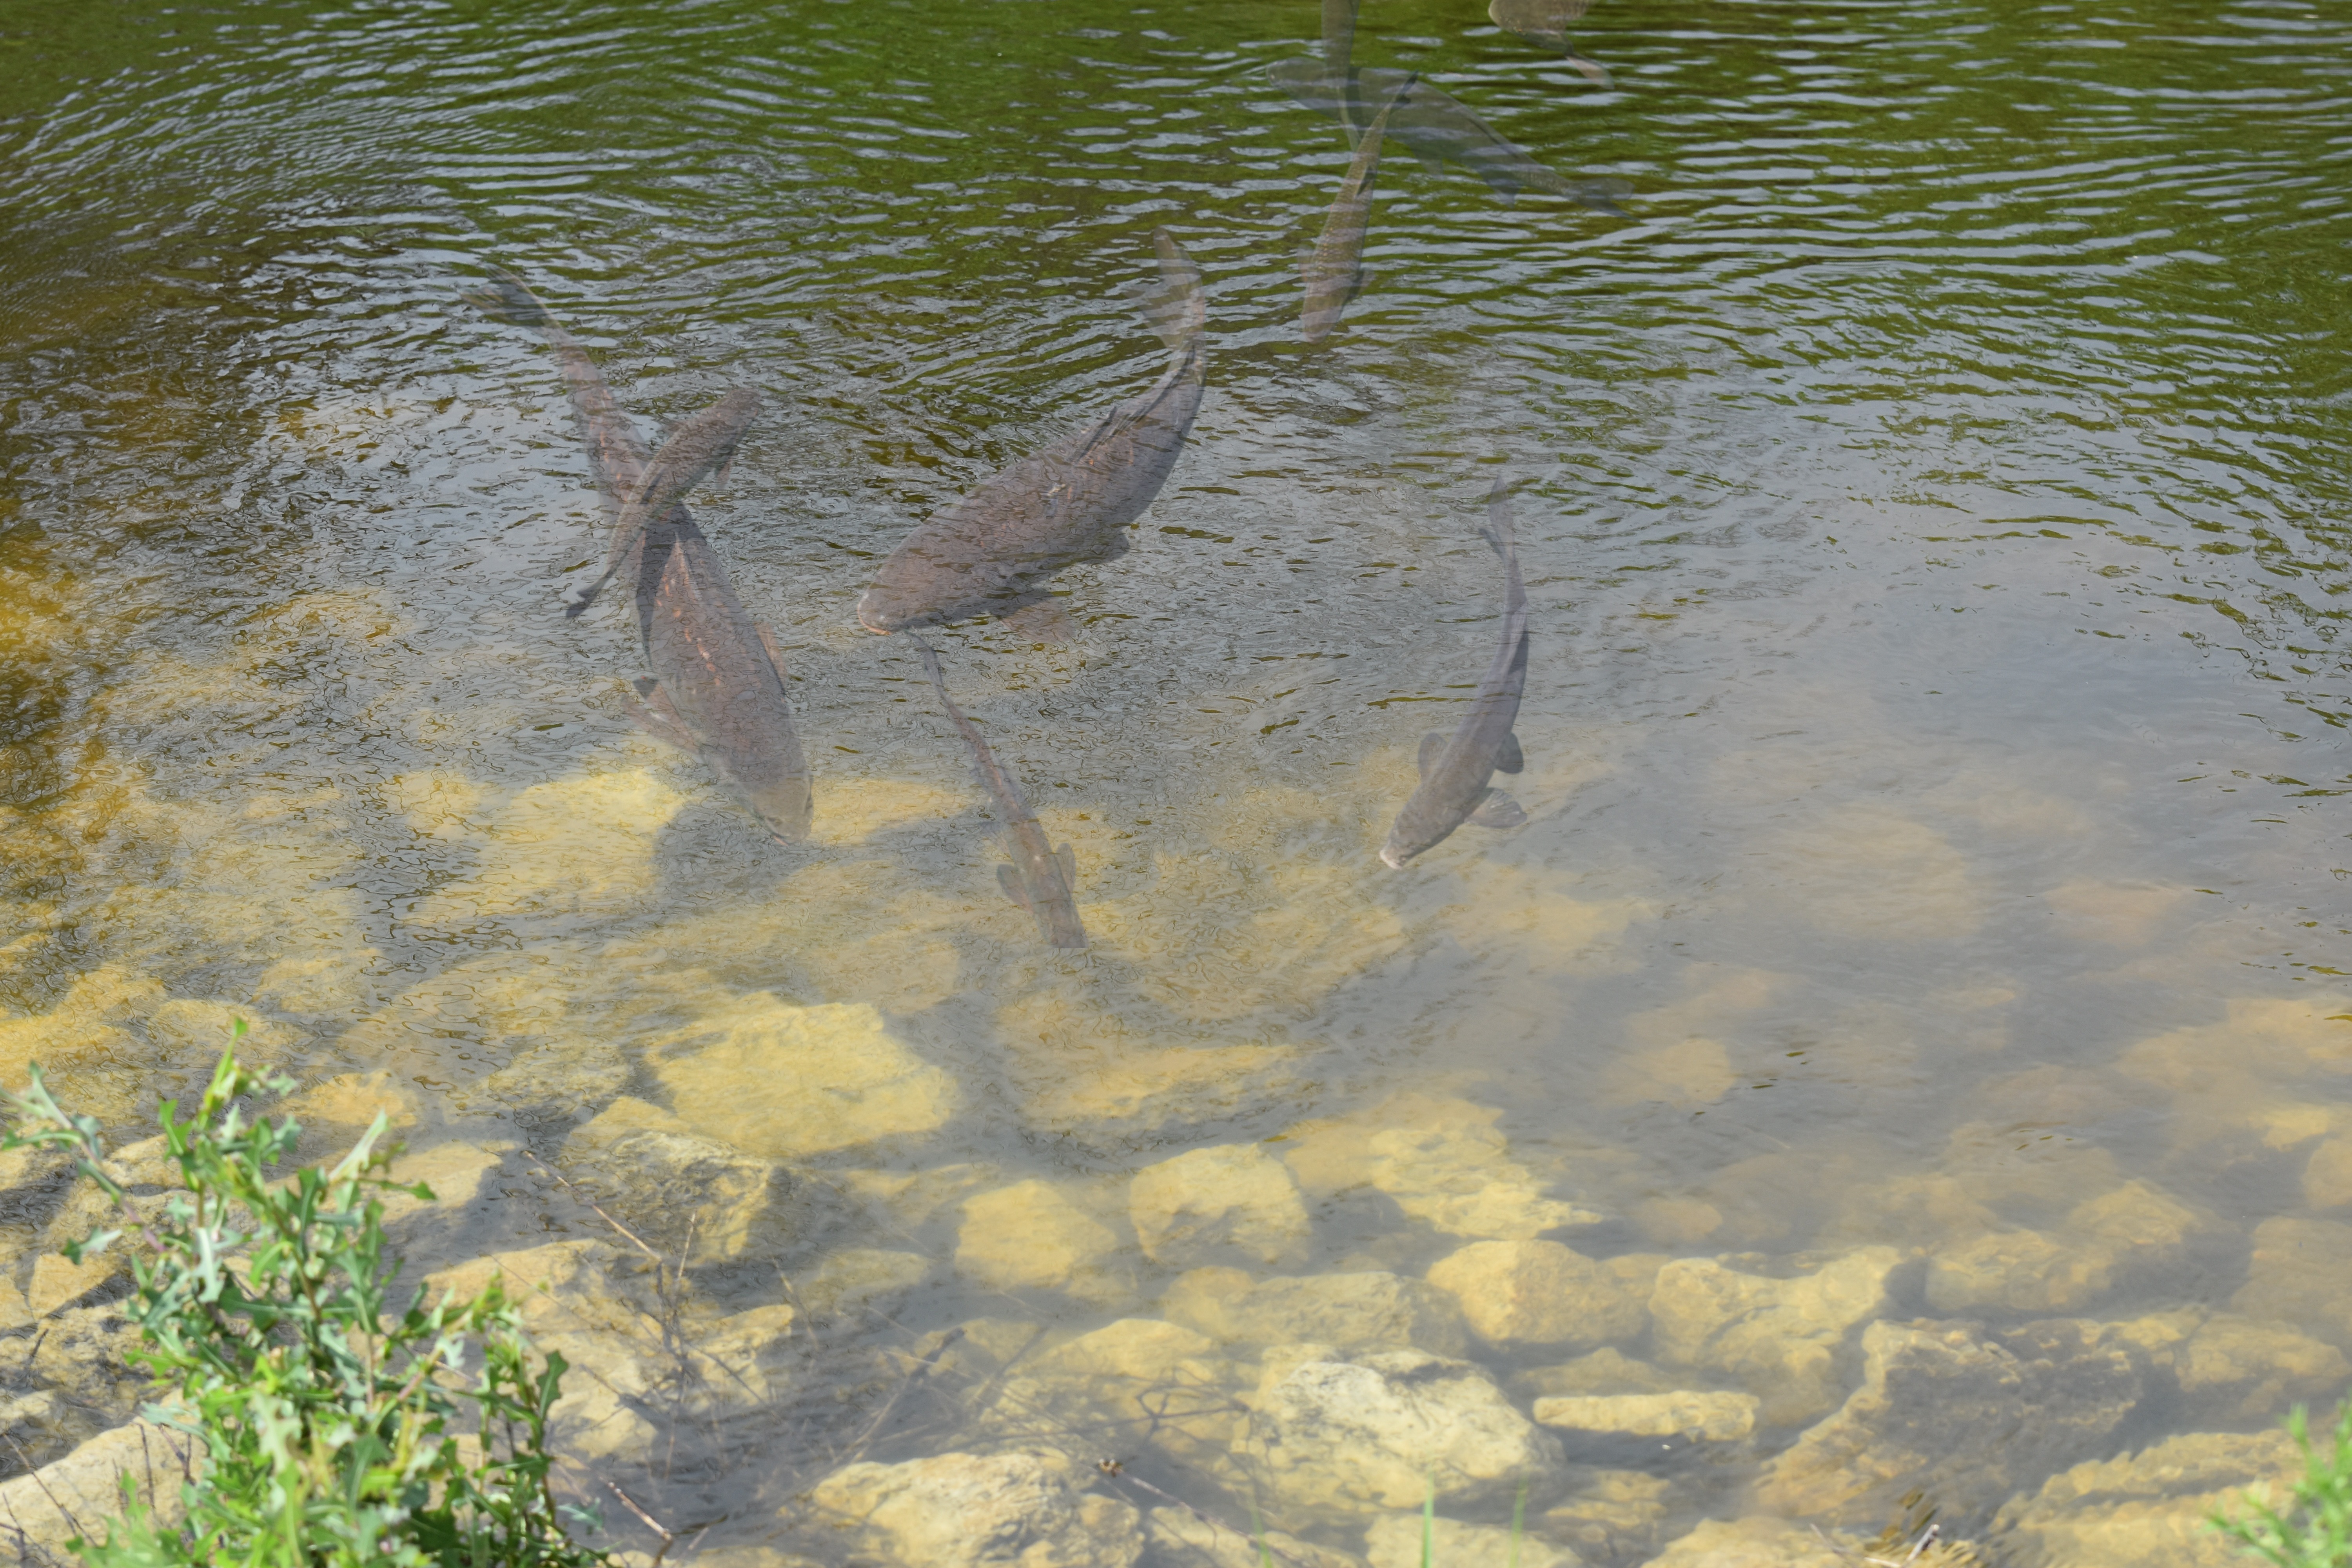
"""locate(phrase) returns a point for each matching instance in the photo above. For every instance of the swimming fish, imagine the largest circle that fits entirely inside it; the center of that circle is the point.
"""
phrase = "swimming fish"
(1040, 879)
(1334, 269)
(716, 687)
(1455, 768)
(703, 443)
(1434, 126)
(1544, 23)
(993, 550)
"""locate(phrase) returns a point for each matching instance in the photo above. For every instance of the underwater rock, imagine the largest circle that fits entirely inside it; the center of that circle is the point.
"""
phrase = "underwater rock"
(782, 1081)
(1368, 1311)
(1135, 1384)
(1211, 1206)
(2327, 1175)
(1440, 1160)
(2301, 1273)
(908, 1199)
(1966, 1417)
(2235, 1369)
(1028, 1236)
(1758, 1542)
(62, 1498)
(1177, 1537)
(1086, 1067)
(1516, 1293)
(1337, 1434)
(556, 1084)
(2148, 1509)
(678, 1191)
(2132, 1235)
(974, 1510)
(55, 1283)
(1778, 1337)
(1611, 1516)
(1394, 1540)
(576, 846)
(855, 1279)
(1698, 1415)
(1602, 1372)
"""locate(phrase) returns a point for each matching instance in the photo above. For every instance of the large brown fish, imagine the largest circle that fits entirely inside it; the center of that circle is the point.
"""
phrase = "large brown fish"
(703, 443)
(1334, 269)
(1041, 879)
(1544, 24)
(718, 687)
(993, 552)
(1455, 768)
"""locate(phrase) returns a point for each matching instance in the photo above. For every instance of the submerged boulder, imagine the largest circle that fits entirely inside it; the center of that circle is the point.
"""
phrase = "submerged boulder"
(978, 1511)
(1371, 1310)
(1396, 1541)
(1780, 1338)
(1340, 1433)
(1030, 1237)
(2148, 1509)
(1215, 1205)
(1540, 1293)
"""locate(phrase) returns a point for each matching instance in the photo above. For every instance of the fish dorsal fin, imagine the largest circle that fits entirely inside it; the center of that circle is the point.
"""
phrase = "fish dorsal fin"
(1431, 745)
(1069, 862)
(1497, 810)
(1508, 758)
(1010, 880)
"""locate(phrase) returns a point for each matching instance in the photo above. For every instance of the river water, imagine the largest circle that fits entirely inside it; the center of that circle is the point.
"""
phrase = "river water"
(1935, 526)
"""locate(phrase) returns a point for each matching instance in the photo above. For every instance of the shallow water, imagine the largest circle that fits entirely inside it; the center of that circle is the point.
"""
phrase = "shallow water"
(1937, 523)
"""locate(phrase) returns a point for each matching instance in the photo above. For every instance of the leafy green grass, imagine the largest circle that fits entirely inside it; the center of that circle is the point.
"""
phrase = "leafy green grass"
(328, 1420)
(2314, 1530)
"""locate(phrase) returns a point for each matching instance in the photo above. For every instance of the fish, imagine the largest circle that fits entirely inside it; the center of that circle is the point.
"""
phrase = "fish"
(703, 443)
(1455, 769)
(1040, 879)
(1437, 128)
(1334, 269)
(1544, 23)
(993, 551)
(717, 685)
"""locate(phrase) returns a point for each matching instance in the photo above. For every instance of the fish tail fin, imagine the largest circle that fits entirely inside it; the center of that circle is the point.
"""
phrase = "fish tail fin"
(1594, 71)
(506, 298)
(1177, 306)
(1602, 195)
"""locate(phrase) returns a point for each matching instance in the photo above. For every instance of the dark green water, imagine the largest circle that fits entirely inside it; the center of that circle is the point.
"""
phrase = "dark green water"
(1937, 541)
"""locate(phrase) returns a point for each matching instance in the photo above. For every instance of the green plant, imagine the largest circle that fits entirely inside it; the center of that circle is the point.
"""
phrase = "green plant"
(329, 1426)
(2315, 1530)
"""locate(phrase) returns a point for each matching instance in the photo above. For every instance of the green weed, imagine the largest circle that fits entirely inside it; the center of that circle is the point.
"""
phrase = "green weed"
(2316, 1530)
(328, 1423)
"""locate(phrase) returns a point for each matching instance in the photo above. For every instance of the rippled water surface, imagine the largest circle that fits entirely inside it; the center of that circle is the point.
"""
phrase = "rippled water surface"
(1935, 721)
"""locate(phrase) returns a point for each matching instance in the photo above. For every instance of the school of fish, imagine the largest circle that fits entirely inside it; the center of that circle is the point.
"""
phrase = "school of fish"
(716, 685)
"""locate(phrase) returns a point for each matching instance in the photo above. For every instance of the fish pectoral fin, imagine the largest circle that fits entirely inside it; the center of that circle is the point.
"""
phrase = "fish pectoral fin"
(776, 655)
(1497, 810)
(1010, 880)
(1508, 758)
(1431, 745)
(1069, 867)
(656, 715)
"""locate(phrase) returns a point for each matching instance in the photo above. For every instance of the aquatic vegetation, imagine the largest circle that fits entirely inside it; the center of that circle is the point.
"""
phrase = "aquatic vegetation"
(2315, 1529)
(327, 1417)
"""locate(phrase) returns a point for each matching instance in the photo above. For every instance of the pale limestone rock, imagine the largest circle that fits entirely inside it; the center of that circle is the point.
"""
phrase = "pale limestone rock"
(1028, 1236)
(1515, 1293)
(1870, 872)
(1368, 1309)
(2262, 1038)
(57, 1282)
(1967, 1418)
(857, 1277)
(560, 1081)
(1209, 1204)
(2132, 1235)
(574, 847)
(910, 1198)
(2149, 1510)
(85, 1024)
(1177, 1537)
(1602, 1372)
(1612, 1516)
(781, 1082)
(2234, 1370)
(1758, 1542)
(679, 1192)
(1778, 1337)
(187, 1027)
(1443, 1161)
(1134, 1383)
(72, 1496)
(1339, 1434)
(2301, 1273)
(973, 1510)
(1395, 1540)
(1701, 1416)
(2328, 1174)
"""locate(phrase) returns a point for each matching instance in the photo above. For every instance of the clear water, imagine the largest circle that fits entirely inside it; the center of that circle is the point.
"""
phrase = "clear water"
(1936, 535)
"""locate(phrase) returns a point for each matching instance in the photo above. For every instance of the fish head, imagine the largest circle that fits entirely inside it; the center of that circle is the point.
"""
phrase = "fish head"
(883, 609)
(1399, 848)
(783, 807)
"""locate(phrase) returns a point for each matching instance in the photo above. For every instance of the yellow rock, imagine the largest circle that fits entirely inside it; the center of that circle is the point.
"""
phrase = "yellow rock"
(854, 810)
(58, 1283)
(1868, 872)
(1201, 1205)
(2262, 1038)
(355, 1100)
(775, 1079)
(2122, 914)
(80, 1025)
(576, 846)
(439, 803)
(1028, 1236)
(626, 1114)
(1688, 1073)
(1441, 1159)
(1551, 931)
(1080, 1062)
(2327, 1177)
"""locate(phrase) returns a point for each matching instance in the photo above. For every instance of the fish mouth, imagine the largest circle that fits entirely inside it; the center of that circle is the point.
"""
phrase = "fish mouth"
(874, 618)
(1394, 856)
